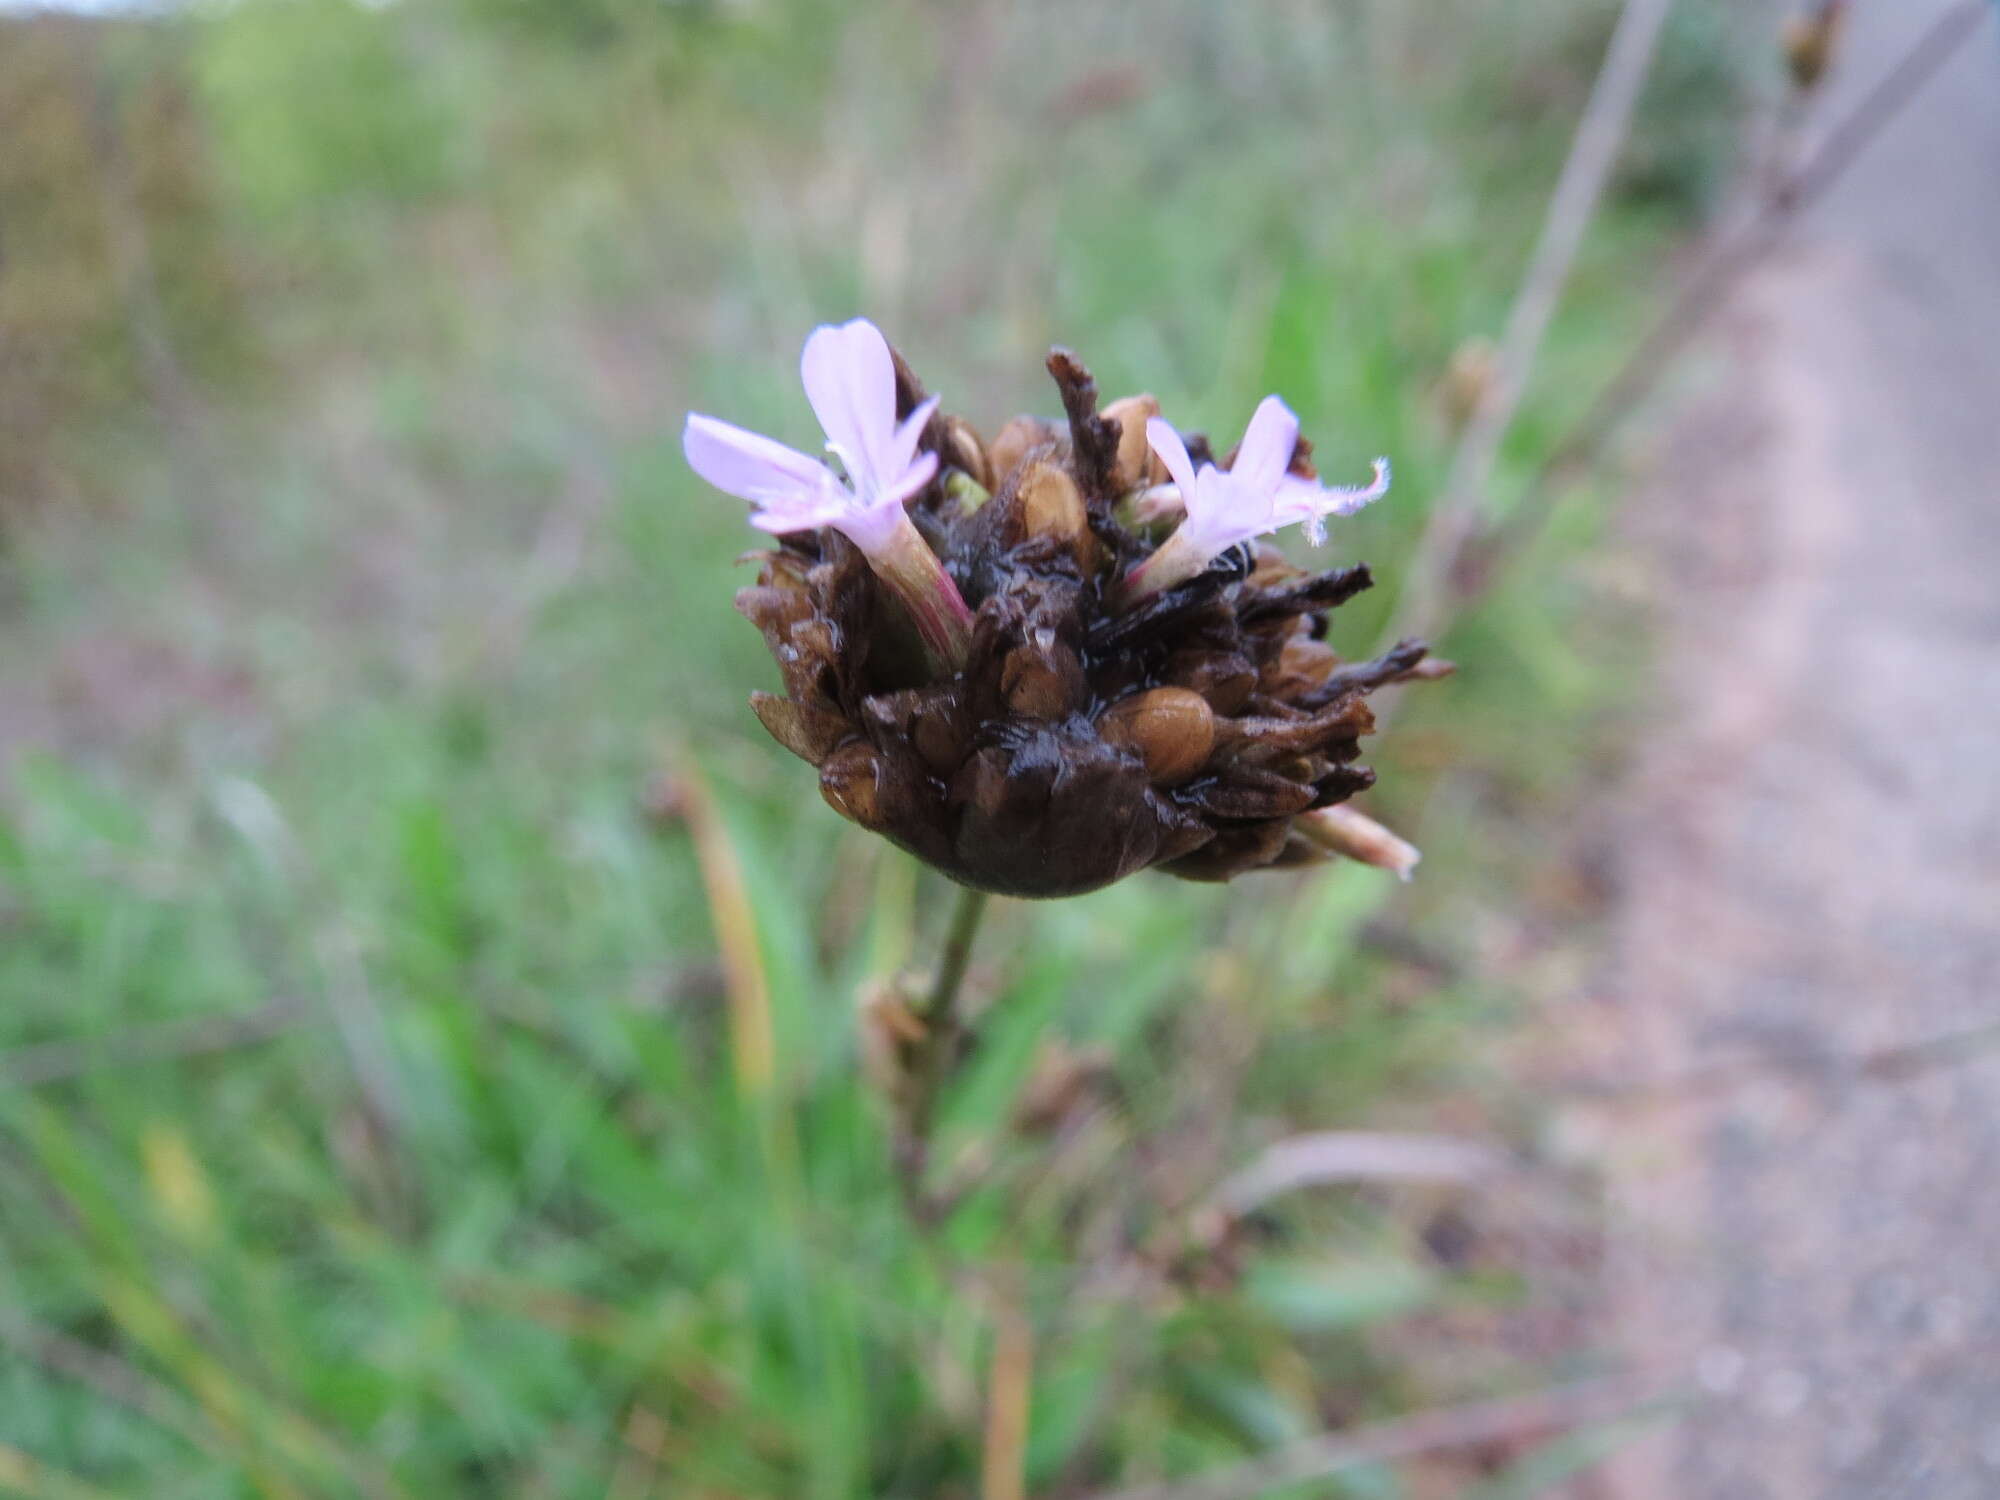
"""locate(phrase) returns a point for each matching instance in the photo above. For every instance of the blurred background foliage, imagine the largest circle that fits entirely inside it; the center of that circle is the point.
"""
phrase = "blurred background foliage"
(375, 1116)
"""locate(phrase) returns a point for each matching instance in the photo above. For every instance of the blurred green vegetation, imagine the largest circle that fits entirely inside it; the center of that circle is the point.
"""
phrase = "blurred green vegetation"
(368, 660)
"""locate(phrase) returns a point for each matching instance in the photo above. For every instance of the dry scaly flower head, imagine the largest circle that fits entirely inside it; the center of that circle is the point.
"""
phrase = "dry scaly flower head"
(1051, 661)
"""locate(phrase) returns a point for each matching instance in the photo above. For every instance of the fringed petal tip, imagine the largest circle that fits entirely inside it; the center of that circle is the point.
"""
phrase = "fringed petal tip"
(1309, 502)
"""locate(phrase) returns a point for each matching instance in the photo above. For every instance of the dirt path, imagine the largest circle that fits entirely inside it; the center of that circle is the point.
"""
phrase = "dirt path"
(1812, 861)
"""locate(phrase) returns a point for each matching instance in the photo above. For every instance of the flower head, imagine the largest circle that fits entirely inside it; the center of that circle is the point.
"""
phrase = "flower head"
(850, 379)
(1256, 494)
(1084, 730)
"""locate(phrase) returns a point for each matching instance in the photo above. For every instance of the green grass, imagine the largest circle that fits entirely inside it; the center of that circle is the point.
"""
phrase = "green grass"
(345, 691)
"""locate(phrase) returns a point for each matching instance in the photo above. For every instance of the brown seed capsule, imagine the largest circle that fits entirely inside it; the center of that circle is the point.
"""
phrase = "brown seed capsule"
(1136, 461)
(963, 450)
(1015, 442)
(1050, 504)
(1173, 729)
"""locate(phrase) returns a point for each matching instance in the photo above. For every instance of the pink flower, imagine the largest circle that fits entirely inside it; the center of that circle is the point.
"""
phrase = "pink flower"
(850, 379)
(1255, 495)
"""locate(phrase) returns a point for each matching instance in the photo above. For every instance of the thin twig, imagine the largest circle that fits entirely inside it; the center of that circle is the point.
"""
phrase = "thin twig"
(1600, 134)
(1709, 286)
(1563, 1407)
(936, 1047)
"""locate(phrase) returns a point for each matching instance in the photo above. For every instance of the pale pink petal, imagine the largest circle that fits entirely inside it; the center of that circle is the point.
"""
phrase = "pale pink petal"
(1267, 447)
(868, 525)
(1225, 510)
(912, 479)
(903, 447)
(748, 465)
(1173, 453)
(871, 528)
(829, 509)
(850, 378)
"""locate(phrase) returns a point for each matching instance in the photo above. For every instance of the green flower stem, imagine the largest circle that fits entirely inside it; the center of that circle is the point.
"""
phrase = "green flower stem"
(936, 1050)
